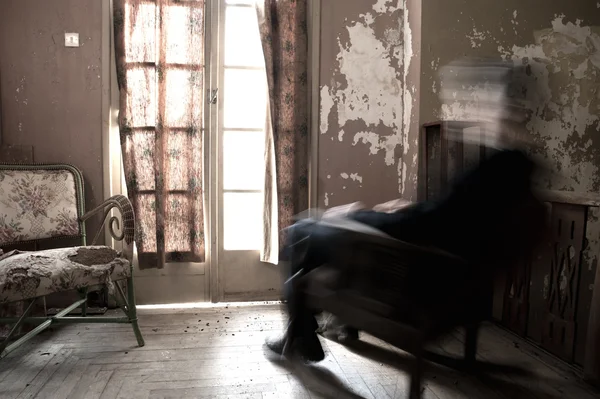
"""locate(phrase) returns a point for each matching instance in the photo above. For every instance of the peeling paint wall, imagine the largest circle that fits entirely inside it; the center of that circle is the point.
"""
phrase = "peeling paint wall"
(51, 95)
(559, 42)
(563, 64)
(365, 105)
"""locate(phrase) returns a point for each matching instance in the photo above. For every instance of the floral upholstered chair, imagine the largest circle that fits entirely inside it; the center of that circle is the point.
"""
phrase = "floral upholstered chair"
(46, 202)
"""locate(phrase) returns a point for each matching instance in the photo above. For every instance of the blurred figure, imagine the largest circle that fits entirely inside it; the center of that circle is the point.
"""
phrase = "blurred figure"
(492, 94)
(490, 217)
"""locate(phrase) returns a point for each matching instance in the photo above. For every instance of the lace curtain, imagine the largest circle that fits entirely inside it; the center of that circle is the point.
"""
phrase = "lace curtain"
(159, 49)
(283, 31)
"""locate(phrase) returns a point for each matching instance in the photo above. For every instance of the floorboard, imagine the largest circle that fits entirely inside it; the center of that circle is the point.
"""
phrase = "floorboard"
(219, 353)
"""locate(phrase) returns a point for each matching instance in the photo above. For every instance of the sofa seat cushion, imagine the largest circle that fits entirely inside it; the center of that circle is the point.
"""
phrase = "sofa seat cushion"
(27, 275)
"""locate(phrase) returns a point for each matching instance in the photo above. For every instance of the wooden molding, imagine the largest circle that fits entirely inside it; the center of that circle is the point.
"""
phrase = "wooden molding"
(569, 197)
(591, 366)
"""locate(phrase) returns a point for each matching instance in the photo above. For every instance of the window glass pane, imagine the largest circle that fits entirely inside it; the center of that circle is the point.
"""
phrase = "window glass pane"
(184, 34)
(177, 223)
(242, 221)
(243, 160)
(197, 224)
(177, 161)
(245, 99)
(185, 100)
(141, 97)
(242, 40)
(142, 145)
(145, 220)
(140, 32)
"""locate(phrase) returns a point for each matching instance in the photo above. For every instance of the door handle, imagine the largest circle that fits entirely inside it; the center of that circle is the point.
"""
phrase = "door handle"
(213, 96)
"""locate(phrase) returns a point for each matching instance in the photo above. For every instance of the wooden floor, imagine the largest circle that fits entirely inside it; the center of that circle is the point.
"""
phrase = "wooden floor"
(219, 353)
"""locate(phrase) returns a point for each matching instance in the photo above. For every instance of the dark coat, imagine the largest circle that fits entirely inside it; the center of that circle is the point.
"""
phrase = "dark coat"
(489, 215)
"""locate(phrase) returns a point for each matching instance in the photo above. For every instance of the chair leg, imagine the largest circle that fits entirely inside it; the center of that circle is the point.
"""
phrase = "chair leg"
(15, 328)
(133, 312)
(416, 375)
(84, 293)
(472, 332)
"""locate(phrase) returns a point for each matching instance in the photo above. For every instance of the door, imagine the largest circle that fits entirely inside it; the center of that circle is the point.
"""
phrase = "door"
(166, 52)
(227, 75)
(240, 159)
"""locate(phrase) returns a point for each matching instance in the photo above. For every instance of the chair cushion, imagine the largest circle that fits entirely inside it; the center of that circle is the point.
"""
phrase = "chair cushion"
(27, 275)
(38, 204)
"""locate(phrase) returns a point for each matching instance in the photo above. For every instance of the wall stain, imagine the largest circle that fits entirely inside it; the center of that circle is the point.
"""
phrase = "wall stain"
(362, 103)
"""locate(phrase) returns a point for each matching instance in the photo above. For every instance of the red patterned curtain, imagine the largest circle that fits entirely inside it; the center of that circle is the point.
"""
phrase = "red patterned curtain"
(160, 70)
(283, 30)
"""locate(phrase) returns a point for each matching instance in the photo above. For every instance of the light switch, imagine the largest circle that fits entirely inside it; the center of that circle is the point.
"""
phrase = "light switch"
(71, 39)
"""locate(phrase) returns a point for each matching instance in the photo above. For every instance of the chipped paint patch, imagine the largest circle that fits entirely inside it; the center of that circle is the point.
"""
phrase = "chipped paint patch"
(435, 64)
(352, 176)
(365, 99)
(565, 62)
(378, 143)
(356, 177)
(562, 94)
(373, 86)
(383, 6)
(326, 106)
(407, 108)
(477, 37)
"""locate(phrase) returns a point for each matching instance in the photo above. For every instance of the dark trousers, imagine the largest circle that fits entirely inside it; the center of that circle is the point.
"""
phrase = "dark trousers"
(308, 246)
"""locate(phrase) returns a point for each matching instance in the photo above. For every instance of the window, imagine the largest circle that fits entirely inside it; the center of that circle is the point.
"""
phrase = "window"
(243, 127)
(165, 123)
(167, 95)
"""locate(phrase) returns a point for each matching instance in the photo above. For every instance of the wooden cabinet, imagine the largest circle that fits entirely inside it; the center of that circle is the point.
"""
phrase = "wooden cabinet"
(548, 299)
(442, 158)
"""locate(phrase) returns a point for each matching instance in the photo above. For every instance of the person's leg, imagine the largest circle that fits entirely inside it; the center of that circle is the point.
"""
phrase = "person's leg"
(308, 247)
(331, 327)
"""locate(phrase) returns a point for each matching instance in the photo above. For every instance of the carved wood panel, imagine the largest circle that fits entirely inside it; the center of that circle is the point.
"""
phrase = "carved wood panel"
(515, 312)
(557, 273)
(545, 299)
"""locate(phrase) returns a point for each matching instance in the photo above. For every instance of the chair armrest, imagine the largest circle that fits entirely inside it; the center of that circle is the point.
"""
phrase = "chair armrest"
(364, 241)
(126, 225)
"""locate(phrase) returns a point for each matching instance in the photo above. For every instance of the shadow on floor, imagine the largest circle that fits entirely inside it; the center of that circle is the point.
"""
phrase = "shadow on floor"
(500, 378)
(315, 378)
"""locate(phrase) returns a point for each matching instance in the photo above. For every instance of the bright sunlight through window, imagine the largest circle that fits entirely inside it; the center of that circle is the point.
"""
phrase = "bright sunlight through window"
(243, 123)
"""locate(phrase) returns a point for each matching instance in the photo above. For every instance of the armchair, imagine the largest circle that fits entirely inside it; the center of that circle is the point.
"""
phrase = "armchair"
(46, 202)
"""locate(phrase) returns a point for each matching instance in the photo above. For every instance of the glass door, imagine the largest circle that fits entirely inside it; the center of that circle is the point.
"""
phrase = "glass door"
(166, 66)
(241, 158)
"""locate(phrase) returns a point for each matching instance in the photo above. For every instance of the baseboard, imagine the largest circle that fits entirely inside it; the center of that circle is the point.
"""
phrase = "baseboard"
(269, 296)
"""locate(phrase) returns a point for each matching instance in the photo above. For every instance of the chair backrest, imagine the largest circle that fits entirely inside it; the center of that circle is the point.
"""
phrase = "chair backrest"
(40, 202)
(393, 272)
